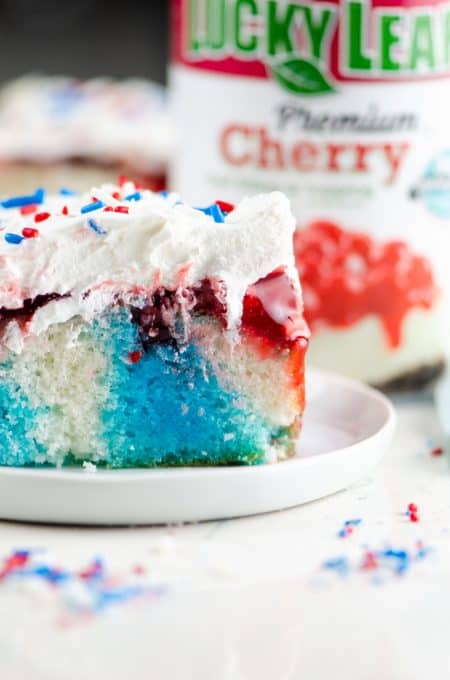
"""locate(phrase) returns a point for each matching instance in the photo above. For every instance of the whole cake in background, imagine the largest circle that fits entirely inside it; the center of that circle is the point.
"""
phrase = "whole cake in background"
(136, 330)
(57, 131)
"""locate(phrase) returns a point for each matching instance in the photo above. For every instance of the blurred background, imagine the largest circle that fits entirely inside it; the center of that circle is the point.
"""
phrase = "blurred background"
(84, 38)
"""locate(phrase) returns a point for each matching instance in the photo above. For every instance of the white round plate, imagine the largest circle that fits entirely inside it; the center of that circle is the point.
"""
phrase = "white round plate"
(347, 429)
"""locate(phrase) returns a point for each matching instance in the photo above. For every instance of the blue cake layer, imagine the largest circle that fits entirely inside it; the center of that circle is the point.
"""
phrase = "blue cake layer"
(17, 446)
(166, 409)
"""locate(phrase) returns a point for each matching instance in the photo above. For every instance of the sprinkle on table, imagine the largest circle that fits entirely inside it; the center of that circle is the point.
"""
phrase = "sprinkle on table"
(91, 590)
(413, 512)
(382, 563)
(349, 525)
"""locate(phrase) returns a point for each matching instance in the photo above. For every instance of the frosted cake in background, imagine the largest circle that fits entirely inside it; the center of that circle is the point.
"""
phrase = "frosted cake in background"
(57, 131)
(136, 330)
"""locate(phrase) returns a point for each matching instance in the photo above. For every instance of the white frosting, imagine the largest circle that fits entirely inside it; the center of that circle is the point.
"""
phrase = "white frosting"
(50, 119)
(160, 242)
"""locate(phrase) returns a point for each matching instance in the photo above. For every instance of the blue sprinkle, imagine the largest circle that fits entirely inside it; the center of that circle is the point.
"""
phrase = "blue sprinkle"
(164, 194)
(51, 575)
(216, 213)
(402, 558)
(113, 596)
(213, 211)
(337, 564)
(13, 238)
(95, 227)
(96, 205)
(64, 191)
(20, 201)
(134, 197)
(342, 533)
(422, 552)
(352, 522)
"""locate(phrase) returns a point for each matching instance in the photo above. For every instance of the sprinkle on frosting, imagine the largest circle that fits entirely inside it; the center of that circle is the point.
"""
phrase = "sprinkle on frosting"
(148, 240)
(90, 207)
(136, 196)
(41, 217)
(30, 232)
(20, 201)
(95, 227)
(13, 238)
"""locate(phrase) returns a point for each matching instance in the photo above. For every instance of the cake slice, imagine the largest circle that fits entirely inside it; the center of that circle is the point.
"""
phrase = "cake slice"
(138, 331)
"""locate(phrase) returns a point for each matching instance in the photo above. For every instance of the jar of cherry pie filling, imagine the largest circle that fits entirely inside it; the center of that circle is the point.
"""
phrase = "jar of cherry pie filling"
(344, 106)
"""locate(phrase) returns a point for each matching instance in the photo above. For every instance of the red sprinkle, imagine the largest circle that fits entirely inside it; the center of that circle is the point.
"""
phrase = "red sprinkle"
(29, 232)
(108, 208)
(28, 209)
(65, 210)
(135, 357)
(413, 517)
(121, 209)
(116, 195)
(40, 217)
(438, 451)
(369, 562)
(122, 180)
(412, 507)
(225, 207)
(16, 561)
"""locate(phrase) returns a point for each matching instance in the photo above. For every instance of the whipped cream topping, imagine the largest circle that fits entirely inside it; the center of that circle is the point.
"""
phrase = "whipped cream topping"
(119, 243)
(50, 119)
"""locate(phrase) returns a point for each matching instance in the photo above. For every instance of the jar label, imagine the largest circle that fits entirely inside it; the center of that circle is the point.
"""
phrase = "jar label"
(345, 106)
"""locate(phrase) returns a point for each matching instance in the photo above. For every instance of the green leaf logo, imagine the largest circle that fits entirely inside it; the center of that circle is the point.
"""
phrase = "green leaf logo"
(301, 77)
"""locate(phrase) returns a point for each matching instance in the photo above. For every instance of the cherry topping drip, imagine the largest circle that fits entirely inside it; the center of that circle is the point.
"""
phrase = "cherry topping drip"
(30, 305)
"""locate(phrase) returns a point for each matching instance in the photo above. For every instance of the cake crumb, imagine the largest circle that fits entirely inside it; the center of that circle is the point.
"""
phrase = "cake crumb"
(89, 467)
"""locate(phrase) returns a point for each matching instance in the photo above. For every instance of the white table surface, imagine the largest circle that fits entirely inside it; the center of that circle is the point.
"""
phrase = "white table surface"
(248, 599)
